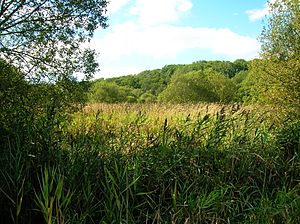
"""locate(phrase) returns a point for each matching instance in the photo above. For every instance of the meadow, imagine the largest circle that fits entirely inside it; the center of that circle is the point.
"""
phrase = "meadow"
(157, 163)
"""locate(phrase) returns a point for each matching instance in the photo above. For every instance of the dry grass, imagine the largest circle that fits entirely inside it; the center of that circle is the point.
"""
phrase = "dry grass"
(174, 113)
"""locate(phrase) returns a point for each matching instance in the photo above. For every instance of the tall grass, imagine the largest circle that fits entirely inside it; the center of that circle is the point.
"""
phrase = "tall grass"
(131, 163)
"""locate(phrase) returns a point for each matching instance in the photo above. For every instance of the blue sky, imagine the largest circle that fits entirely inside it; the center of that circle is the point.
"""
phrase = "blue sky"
(148, 34)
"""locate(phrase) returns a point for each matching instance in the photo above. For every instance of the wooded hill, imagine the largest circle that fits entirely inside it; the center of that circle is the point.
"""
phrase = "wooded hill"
(201, 81)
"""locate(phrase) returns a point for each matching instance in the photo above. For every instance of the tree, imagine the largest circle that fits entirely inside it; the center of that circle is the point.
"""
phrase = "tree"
(239, 65)
(109, 92)
(190, 87)
(242, 86)
(13, 97)
(281, 37)
(147, 98)
(46, 36)
(222, 86)
(277, 75)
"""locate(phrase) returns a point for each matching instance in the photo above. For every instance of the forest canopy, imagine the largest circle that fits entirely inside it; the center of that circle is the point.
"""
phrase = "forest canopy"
(201, 81)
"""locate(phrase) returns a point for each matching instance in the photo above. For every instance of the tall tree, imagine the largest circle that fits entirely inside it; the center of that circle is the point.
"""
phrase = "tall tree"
(277, 75)
(108, 92)
(281, 37)
(46, 36)
(190, 88)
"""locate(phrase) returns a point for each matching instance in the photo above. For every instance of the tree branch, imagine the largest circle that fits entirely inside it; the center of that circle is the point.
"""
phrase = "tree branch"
(3, 8)
(22, 19)
(12, 13)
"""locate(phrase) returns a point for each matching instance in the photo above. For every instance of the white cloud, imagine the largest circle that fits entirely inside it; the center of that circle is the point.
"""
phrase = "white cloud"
(166, 43)
(169, 41)
(115, 5)
(152, 36)
(185, 6)
(152, 12)
(257, 14)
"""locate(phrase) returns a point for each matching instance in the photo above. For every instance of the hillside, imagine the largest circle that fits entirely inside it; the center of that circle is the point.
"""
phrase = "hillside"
(154, 85)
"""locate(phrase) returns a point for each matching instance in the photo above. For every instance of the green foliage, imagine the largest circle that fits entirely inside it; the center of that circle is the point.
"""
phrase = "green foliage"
(242, 86)
(191, 87)
(289, 141)
(275, 83)
(280, 38)
(147, 98)
(109, 92)
(224, 87)
(153, 83)
(45, 36)
(227, 68)
(14, 98)
(206, 86)
(276, 77)
(31, 115)
(52, 198)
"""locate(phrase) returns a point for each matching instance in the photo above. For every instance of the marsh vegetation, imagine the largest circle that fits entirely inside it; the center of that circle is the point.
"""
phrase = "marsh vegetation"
(208, 142)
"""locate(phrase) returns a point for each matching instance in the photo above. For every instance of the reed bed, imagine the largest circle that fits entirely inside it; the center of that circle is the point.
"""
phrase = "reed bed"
(152, 163)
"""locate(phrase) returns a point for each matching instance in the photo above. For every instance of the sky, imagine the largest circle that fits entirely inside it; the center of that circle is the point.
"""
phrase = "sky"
(149, 34)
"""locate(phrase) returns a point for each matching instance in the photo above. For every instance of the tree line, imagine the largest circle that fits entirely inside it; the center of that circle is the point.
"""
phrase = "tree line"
(271, 79)
(201, 81)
